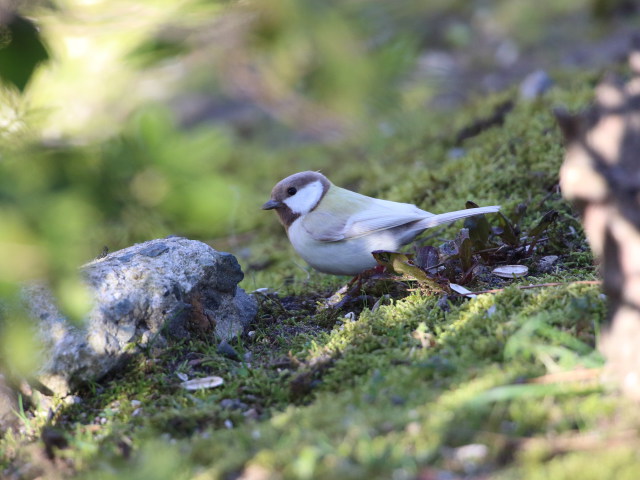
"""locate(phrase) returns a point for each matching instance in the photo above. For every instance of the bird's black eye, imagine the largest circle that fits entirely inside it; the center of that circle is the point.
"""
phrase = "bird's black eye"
(292, 191)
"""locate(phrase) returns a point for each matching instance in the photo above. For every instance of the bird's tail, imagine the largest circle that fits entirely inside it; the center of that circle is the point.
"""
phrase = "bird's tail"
(452, 217)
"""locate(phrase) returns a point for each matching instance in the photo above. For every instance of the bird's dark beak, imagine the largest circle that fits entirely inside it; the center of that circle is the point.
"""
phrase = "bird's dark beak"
(271, 204)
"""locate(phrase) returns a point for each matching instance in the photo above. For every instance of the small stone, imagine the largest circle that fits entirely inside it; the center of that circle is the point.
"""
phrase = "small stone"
(228, 424)
(456, 153)
(233, 404)
(535, 84)
(545, 264)
(469, 457)
(443, 303)
(228, 351)
(507, 53)
(475, 452)
(413, 428)
(448, 249)
(136, 412)
(252, 413)
(136, 403)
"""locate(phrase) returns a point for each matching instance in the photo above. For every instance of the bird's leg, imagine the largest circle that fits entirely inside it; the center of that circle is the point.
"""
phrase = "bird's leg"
(352, 290)
(355, 284)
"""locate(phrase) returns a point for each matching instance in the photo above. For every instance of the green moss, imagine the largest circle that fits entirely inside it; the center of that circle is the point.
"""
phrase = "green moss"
(389, 393)
(621, 462)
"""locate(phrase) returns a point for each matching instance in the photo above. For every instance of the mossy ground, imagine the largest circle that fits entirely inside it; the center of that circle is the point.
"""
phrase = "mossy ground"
(392, 392)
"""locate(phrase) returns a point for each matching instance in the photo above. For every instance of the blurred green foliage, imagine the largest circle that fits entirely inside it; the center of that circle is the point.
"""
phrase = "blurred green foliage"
(21, 49)
(156, 117)
(98, 148)
(125, 169)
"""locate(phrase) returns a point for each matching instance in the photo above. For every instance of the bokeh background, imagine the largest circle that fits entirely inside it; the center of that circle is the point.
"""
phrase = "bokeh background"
(124, 121)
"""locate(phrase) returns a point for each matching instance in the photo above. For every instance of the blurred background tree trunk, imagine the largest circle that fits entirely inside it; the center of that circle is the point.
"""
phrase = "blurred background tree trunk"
(601, 175)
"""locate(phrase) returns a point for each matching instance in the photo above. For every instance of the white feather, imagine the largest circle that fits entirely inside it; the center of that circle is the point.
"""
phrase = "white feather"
(382, 215)
(305, 199)
(449, 217)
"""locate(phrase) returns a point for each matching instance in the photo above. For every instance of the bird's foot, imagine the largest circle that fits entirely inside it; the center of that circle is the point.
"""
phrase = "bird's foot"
(355, 289)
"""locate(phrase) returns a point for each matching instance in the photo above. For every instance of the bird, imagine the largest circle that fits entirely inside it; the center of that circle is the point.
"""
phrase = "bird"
(335, 230)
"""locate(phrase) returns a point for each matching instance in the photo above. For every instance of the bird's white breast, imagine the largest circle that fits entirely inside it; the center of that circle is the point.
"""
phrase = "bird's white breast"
(344, 257)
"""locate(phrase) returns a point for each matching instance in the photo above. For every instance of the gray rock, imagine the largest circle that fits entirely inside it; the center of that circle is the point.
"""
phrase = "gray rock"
(546, 263)
(144, 296)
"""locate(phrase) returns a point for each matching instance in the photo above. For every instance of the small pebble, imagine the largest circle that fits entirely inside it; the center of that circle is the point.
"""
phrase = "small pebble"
(443, 303)
(413, 428)
(228, 351)
(232, 403)
(251, 413)
(471, 456)
(72, 400)
(455, 153)
(136, 403)
(507, 53)
(545, 264)
(535, 84)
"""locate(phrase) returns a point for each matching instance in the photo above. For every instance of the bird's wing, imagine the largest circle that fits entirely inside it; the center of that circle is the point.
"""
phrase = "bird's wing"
(383, 215)
(345, 214)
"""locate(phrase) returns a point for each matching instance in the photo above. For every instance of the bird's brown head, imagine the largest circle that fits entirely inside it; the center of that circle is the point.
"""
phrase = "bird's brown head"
(297, 195)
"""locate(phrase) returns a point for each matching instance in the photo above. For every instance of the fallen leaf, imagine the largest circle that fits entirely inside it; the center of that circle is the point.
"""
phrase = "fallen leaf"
(201, 383)
(510, 271)
(402, 264)
(461, 290)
